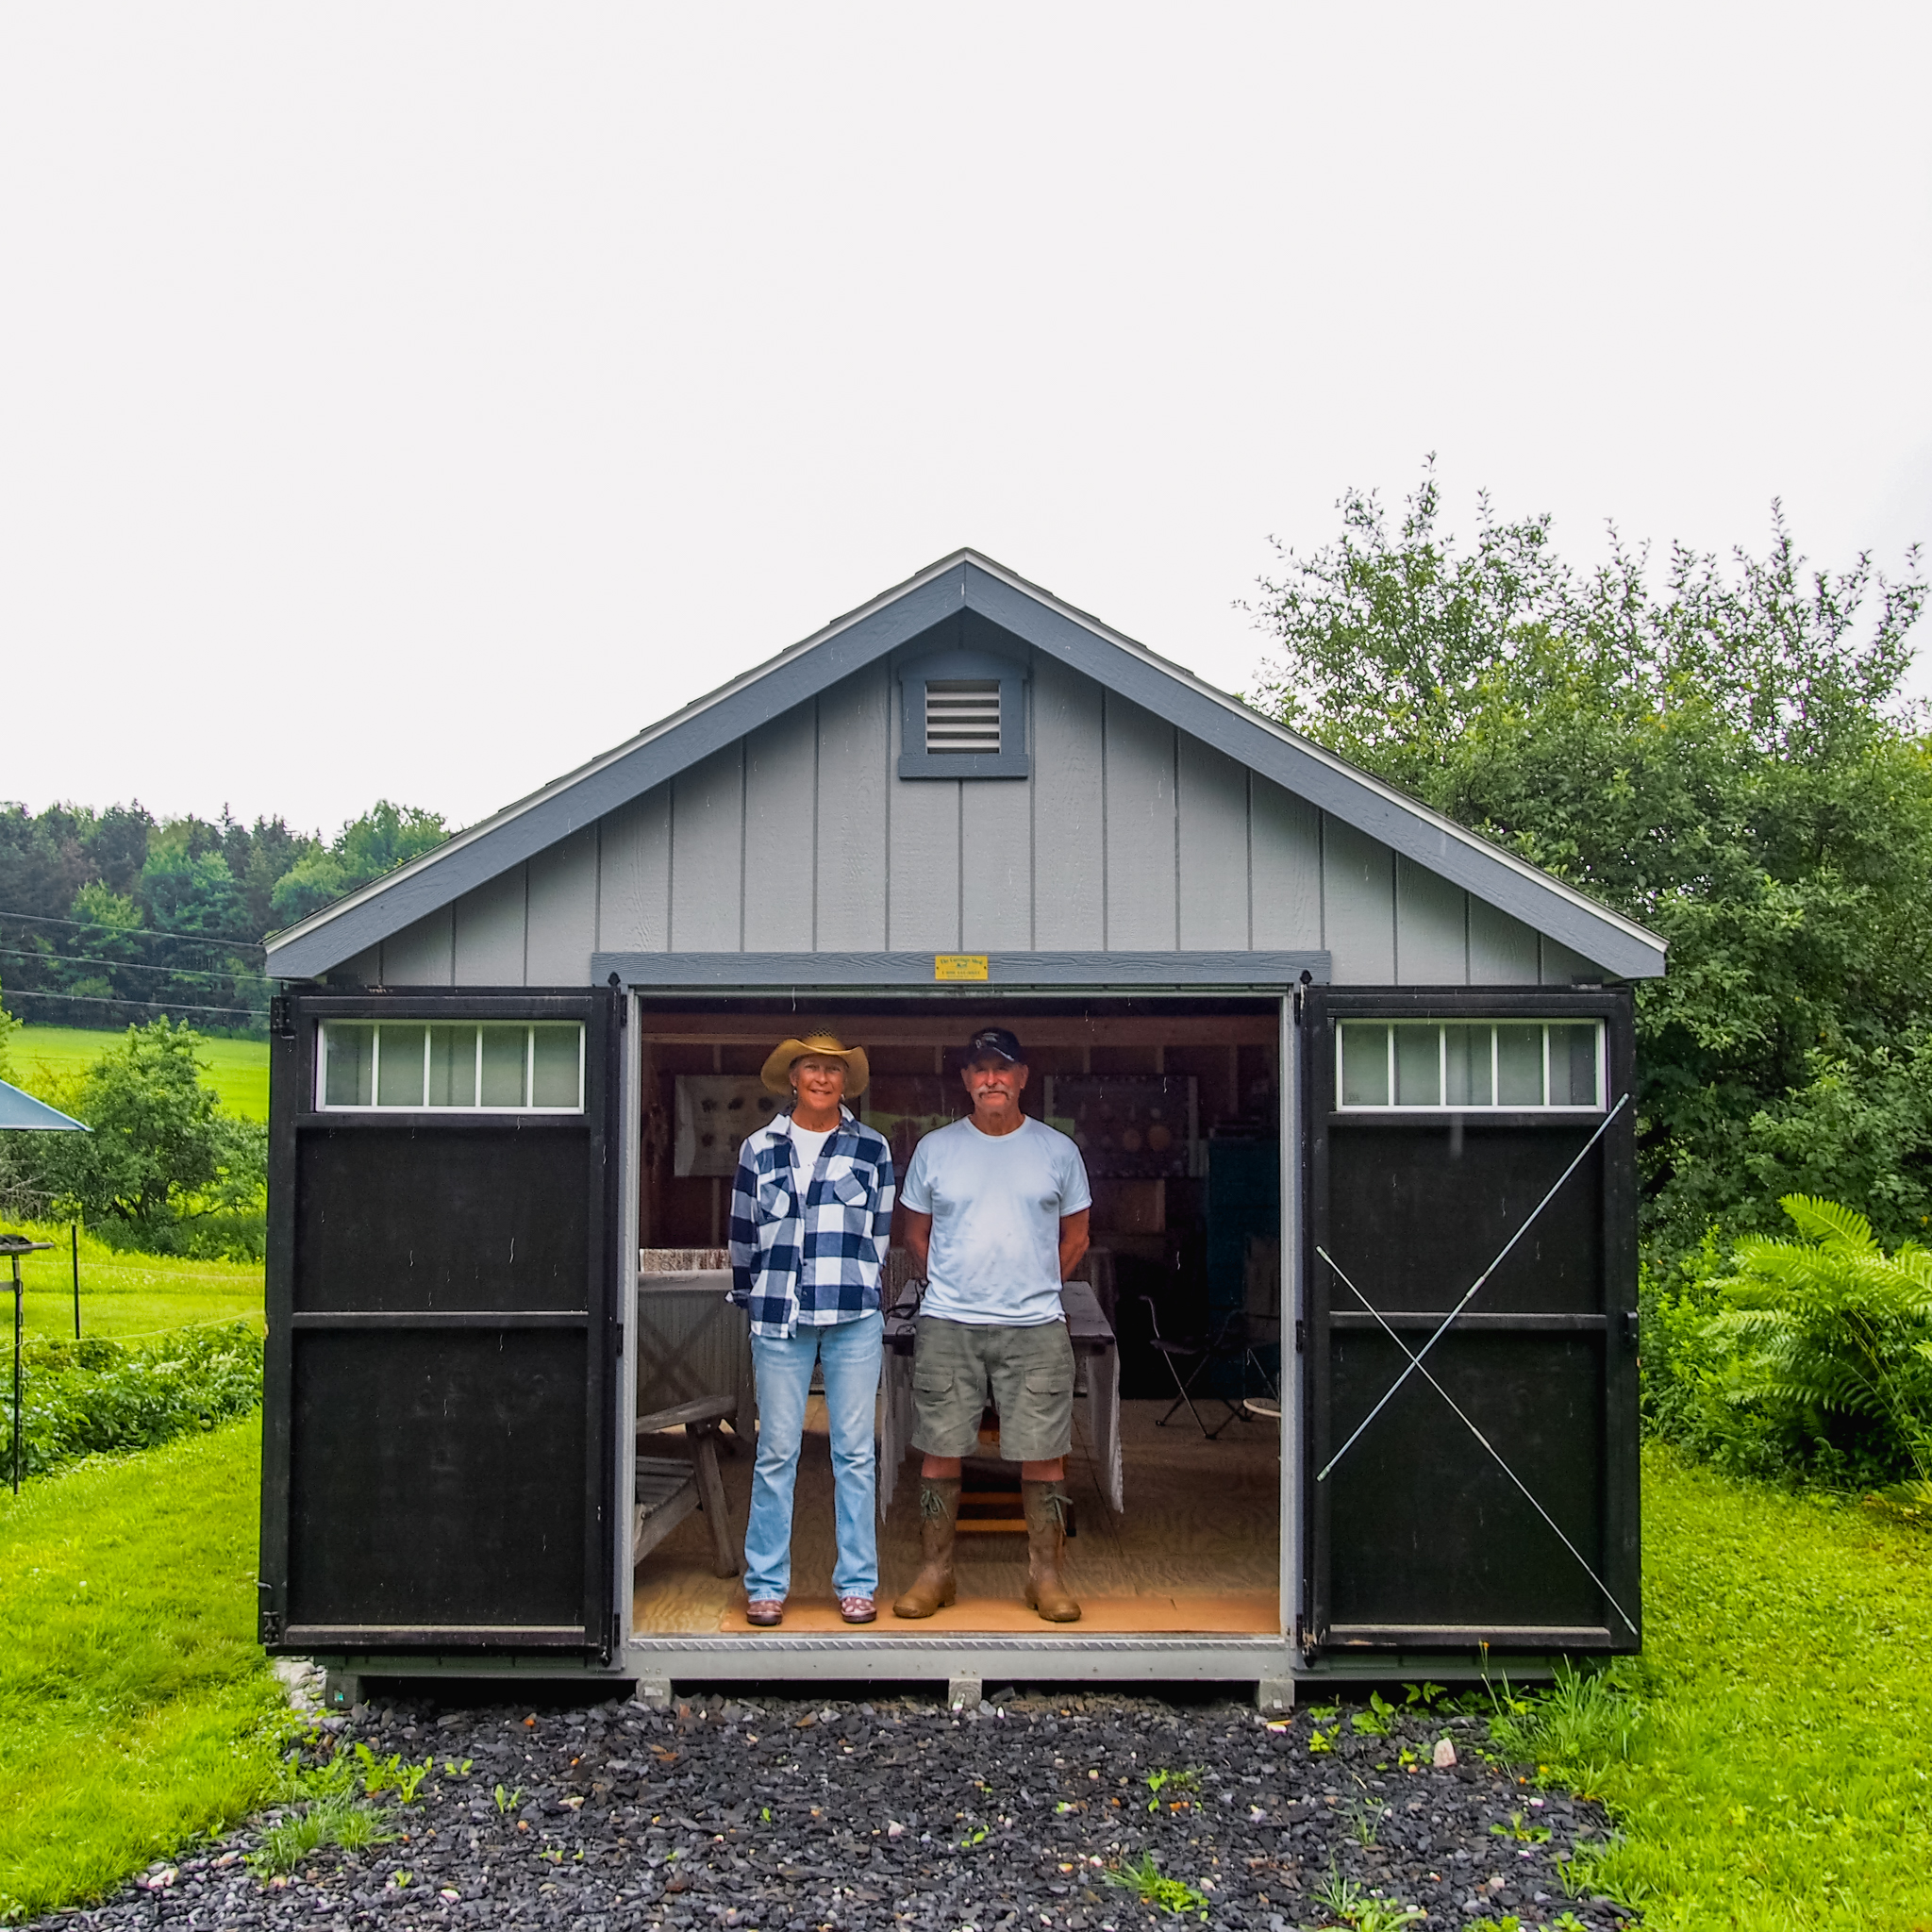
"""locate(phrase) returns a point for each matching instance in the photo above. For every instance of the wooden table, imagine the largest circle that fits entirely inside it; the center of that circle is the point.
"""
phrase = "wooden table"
(1097, 1360)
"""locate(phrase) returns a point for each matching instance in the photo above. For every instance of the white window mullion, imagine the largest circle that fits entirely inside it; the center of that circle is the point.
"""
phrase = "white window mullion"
(476, 1091)
(529, 1066)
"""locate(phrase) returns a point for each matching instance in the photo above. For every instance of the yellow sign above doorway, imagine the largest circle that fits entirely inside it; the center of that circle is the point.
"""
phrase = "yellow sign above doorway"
(958, 966)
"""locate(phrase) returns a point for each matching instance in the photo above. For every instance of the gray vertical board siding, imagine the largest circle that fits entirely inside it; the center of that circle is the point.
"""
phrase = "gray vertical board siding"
(855, 758)
(1561, 967)
(419, 954)
(562, 912)
(634, 876)
(1431, 927)
(1358, 905)
(780, 784)
(490, 933)
(996, 866)
(1502, 951)
(1212, 806)
(707, 847)
(923, 854)
(365, 969)
(1142, 898)
(1285, 852)
(1068, 868)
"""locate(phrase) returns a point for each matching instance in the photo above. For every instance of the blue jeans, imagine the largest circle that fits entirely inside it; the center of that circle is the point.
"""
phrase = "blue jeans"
(851, 1352)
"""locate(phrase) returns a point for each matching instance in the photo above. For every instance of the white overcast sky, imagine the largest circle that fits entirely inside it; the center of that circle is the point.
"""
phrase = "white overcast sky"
(414, 400)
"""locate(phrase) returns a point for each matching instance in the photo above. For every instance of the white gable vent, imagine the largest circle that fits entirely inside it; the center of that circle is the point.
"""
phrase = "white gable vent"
(962, 715)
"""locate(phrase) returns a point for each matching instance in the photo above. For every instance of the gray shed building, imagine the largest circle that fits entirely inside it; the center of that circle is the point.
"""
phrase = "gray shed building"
(1334, 1060)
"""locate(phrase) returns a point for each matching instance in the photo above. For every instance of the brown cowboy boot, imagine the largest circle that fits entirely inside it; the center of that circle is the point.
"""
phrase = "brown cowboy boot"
(1046, 1543)
(935, 1586)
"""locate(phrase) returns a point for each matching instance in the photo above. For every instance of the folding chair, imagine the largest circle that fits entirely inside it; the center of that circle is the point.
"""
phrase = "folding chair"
(1212, 1347)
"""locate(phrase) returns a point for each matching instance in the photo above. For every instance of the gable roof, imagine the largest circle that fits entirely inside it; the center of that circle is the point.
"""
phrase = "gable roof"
(963, 581)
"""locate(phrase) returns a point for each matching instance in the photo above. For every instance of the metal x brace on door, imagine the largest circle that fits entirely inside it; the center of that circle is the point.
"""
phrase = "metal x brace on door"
(1415, 1363)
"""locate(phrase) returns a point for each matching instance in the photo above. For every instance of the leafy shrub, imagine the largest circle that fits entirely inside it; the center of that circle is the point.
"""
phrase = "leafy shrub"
(1810, 1356)
(93, 1397)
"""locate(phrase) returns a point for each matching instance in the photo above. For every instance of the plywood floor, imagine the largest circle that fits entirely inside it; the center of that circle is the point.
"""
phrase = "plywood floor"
(1197, 1549)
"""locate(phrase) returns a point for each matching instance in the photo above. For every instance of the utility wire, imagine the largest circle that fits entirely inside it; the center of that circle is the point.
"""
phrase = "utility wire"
(122, 965)
(140, 932)
(91, 999)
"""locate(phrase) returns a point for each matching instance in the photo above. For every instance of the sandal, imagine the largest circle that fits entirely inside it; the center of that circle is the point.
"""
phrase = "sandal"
(857, 1609)
(766, 1613)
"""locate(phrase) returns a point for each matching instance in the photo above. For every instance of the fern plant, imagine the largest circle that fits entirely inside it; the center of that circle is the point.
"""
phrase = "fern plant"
(1833, 1337)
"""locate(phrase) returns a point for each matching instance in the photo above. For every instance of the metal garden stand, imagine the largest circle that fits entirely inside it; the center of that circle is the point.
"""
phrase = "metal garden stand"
(14, 1246)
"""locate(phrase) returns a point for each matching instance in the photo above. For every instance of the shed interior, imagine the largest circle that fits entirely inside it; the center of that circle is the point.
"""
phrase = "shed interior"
(1176, 1104)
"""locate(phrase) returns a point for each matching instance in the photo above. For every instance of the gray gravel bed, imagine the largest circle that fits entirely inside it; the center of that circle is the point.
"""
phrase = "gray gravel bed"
(793, 1816)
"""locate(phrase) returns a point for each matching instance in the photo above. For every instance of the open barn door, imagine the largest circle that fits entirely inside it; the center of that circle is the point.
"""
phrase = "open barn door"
(443, 1325)
(1470, 1256)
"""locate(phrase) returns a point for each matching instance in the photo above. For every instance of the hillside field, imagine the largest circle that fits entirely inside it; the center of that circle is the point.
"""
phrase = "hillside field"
(237, 1069)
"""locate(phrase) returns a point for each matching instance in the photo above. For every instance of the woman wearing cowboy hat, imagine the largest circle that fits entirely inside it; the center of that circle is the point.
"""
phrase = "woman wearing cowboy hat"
(811, 1215)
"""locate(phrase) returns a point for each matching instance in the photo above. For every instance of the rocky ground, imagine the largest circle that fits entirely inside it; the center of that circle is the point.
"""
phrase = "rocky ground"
(1029, 1814)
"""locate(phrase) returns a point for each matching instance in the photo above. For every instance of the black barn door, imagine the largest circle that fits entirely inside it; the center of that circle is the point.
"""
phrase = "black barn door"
(1430, 1146)
(438, 1460)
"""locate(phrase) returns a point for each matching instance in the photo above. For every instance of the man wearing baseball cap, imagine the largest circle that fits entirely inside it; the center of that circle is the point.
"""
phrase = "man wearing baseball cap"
(996, 1209)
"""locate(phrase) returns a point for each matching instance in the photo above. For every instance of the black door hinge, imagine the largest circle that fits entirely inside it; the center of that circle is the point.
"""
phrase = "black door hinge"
(618, 1334)
(1630, 1327)
(1301, 1337)
(281, 1016)
(270, 1627)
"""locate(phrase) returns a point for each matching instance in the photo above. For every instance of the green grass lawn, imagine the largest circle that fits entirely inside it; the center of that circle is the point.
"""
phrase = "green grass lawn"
(135, 1709)
(126, 1295)
(1779, 1766)
(236, 1069)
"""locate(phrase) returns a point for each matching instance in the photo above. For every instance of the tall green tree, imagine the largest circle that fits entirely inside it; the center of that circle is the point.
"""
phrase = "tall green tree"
(164, 1168)
(377, 842)
(1723, 751)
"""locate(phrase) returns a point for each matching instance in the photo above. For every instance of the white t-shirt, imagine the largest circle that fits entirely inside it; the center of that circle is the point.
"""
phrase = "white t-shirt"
(810, 1147)
(996, 1202)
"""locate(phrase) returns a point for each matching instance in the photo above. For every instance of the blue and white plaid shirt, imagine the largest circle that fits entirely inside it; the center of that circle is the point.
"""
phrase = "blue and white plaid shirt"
(810, 1250)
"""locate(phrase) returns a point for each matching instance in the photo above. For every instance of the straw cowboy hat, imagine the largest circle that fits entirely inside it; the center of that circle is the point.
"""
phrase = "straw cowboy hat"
(777, 1070)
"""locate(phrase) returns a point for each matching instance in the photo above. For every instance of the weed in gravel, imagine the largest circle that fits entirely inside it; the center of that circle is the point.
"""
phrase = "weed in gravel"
(380, 1774)
(338, 1819)
(1349, 1904)
(506, 1801)
(1177, 1784)
(1522, 1832)
(1378, 1720)
(1145, 1881)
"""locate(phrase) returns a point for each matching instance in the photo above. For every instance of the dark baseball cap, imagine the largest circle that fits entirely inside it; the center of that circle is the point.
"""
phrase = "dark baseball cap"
(996, 1041)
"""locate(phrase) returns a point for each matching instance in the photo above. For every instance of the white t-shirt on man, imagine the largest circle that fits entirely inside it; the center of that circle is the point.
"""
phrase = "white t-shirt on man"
(996, 1202)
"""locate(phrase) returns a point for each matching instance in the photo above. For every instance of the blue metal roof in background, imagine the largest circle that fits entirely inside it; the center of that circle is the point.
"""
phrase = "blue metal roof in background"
(22, 1110)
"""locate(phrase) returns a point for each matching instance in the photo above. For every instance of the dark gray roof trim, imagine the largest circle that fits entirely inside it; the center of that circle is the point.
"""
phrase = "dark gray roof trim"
(962, 581)
(806, 971)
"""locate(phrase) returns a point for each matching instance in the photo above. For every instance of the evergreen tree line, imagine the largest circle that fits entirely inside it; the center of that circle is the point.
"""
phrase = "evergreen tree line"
(115, 917)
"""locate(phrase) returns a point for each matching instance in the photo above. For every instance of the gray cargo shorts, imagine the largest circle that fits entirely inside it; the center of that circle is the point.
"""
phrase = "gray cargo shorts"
(1028, 1372)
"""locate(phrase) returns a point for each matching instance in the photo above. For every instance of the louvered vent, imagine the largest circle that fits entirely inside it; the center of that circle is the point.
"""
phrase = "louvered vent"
(962, 714)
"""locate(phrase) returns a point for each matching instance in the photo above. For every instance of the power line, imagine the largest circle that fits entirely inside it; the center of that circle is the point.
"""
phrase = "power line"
(91, 999)
(136, 932)
(116, 965)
